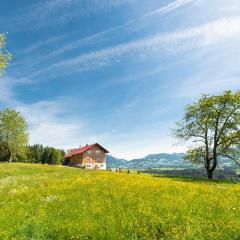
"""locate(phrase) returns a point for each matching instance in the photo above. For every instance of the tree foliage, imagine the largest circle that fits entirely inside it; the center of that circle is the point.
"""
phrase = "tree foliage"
(35, 153)
(3, 152)
(39, 154)
(13, 133)
(213, 125)
(52, 156)
(5, 56)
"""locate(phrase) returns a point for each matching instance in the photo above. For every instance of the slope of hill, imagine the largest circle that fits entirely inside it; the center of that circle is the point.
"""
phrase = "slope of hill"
(55, 202)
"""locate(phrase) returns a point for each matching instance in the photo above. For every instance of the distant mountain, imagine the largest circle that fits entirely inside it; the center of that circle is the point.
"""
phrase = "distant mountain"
(160, 160)
(113, 162)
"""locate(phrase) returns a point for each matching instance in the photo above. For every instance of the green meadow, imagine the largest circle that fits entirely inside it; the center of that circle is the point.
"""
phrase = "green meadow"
(55, 202)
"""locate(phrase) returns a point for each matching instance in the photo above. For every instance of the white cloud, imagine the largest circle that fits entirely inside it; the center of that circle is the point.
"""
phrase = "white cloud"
(7, 85)
(49, 123)
(141, 142)
(102, 36)
(173, 42)
(137, 148)
(195, 87)
(37, 15)
(168, 8)
(204, 35)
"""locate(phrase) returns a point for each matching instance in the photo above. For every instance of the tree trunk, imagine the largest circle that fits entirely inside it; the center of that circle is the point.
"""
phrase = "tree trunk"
(210, 174)
(10, 157)
(210, 169)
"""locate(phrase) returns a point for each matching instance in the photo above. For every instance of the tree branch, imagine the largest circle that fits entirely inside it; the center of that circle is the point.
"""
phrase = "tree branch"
(230, 157)
(225, 123)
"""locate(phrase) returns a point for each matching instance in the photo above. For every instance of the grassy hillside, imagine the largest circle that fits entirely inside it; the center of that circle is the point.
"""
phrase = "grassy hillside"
(53, 202)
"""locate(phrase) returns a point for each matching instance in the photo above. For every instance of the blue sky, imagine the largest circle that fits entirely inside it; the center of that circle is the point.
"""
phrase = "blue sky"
(117, 72)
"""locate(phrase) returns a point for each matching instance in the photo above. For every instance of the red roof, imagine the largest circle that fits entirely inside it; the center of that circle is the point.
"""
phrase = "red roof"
(83, 149)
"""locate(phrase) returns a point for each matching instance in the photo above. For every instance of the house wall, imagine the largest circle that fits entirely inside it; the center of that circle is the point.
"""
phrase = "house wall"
(93, 159)
(76, 160)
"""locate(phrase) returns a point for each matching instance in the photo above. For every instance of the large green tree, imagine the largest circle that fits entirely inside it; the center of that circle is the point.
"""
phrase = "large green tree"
(213, 126)
(13, 132)
(5, 56)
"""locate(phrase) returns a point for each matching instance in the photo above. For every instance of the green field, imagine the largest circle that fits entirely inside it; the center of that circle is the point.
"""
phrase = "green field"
(54, 202)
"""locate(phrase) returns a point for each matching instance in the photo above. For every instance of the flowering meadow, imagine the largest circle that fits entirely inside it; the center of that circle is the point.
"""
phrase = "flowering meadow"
(55, 202)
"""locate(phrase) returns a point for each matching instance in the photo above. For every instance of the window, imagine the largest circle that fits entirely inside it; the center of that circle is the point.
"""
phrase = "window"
(98, 152)
(89, 151)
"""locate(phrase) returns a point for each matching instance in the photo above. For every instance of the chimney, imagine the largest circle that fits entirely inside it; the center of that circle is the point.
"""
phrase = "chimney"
(86, 144)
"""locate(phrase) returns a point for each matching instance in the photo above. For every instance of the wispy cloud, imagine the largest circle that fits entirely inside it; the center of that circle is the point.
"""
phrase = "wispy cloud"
(173, 42)
(102, 36)
(96, 38)
(46, 124)
(168, 8)
(36, 15)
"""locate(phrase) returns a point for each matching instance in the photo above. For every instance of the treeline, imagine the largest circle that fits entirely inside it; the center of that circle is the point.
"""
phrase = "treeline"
(35, 154)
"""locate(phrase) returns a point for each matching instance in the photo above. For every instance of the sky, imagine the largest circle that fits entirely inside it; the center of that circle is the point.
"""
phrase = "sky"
(116, 72)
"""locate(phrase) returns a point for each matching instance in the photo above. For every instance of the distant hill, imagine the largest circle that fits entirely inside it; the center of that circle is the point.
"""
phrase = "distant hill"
(113, 162)
(160, 160)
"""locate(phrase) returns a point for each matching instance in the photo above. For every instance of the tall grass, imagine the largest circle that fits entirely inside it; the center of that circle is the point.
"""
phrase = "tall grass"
(53, 202)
